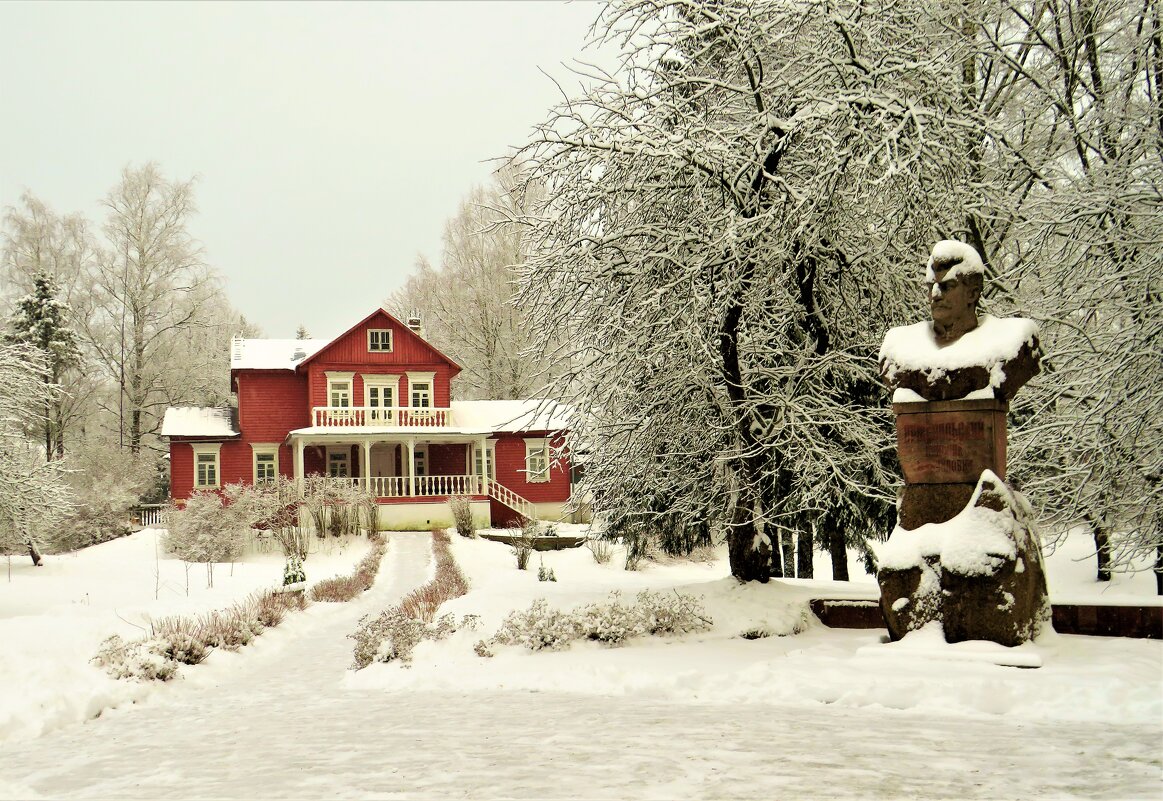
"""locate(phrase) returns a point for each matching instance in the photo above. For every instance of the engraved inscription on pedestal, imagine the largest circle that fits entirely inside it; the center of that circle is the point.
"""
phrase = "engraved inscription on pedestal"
(950, 442)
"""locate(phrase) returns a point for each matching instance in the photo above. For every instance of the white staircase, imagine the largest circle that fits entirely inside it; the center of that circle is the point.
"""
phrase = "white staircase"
(511, 499)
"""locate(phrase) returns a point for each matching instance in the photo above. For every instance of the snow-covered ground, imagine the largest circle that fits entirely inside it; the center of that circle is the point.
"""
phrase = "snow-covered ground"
(822, 713)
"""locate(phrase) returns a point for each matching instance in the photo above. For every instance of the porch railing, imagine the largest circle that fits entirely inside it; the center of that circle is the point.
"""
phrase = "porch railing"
(426, 486)
(379, 417)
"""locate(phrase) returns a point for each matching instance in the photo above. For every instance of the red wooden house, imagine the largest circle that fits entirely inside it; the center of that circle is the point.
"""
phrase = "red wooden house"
(373, 406)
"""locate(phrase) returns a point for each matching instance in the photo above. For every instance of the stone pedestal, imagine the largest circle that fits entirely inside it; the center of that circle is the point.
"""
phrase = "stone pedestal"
(965, 553)
(943, 447)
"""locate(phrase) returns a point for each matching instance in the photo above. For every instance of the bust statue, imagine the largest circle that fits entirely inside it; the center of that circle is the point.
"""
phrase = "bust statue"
(954, 278)
(958, 355)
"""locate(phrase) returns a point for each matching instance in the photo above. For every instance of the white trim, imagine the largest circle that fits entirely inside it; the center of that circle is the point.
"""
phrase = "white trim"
(341, 378)
(490, 459)
(391, 340)
(208, 449)
(420, 453)
(541, 475)
(381, 382)
(263, 449)
(419, 378)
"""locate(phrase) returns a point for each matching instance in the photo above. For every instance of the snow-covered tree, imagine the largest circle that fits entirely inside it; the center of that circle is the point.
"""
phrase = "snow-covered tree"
(1066, 189)
(33, 493)
(156, 319)
(732, 222)
(41, 320)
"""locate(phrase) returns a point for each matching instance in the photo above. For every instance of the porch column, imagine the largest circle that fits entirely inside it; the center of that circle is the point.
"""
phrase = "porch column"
(484, 451)
(298, 468)
(411, 465)
(365, 463)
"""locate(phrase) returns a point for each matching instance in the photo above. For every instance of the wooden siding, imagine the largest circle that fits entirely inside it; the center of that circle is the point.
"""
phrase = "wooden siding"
(511, 470)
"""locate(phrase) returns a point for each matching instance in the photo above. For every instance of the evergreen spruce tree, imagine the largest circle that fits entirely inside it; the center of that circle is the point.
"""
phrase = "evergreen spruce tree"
(40, 321)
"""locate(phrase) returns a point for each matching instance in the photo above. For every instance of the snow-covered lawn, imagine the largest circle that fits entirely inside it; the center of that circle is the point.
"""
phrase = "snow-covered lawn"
(822, 713)
(53, 618)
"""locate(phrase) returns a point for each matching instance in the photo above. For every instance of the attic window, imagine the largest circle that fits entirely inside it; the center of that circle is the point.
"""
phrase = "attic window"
(379, 340)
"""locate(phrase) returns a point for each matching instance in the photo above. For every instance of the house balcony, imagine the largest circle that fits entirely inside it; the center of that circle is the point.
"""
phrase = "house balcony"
(340, 417)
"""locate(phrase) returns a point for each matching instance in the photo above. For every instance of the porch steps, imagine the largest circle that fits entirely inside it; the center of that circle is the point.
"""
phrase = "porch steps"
(511, 499)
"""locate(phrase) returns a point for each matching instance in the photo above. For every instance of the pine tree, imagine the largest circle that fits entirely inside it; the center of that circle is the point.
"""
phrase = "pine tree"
(40, 321)
(301, 332)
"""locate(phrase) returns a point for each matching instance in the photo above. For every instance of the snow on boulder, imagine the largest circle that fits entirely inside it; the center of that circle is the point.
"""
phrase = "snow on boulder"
(979, 574)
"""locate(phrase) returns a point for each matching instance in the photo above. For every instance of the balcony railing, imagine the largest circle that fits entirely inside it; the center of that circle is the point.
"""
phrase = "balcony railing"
(426, 486)
(379, 417)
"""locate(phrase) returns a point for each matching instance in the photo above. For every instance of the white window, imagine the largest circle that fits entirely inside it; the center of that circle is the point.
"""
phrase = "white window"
(380, 396)
(266, 462)
(420, 463)
(484, 460)
(339, 463)
(339, 390)
(207, 465)
(379, 340)
(536, 461)
(420, 390)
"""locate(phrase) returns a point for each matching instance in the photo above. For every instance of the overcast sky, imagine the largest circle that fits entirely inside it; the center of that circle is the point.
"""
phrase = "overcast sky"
(330, 142)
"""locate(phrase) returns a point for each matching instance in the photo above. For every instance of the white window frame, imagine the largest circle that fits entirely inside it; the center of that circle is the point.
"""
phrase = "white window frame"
(420, 460)
(208, 449)
(264, 449)
(381, 383)
(490, 452)
(339, 451)
(534, 447)
(379, 332)
(422, 378)
(334, 379)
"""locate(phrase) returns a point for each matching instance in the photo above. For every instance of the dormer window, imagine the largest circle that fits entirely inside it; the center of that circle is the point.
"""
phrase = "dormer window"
(379, 340)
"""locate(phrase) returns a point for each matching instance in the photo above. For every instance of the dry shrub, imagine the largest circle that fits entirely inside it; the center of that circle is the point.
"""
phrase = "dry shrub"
(340, 589)
(602, 549)
(462, 515)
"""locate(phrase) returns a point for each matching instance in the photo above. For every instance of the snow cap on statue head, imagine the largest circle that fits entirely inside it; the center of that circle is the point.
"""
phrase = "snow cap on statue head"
(958, 258)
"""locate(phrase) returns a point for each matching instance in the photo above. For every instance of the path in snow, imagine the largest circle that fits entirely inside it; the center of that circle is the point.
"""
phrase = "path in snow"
(279, 723)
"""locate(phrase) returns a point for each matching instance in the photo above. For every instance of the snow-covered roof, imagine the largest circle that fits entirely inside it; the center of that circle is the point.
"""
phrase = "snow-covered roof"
(197, 421)
(511, 415)
(272, 354)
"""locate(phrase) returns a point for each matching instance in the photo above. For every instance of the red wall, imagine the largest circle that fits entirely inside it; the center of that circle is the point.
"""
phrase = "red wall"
(447, 460)
(349, 354)
(511, 470)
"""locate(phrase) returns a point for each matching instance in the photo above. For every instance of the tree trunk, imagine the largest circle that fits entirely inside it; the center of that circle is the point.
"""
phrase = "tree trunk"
(1159, 569)
(839, 555)
(34, 552)
(804, 554)
(788, 549)
(748, 550)
(1102, 549)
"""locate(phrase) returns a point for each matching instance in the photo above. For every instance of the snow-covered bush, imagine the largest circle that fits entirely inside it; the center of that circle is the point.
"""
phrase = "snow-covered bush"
(671, 613)
(144, 660)
(185, 639)
(539, 627)
(393, 636)
(206, 530)
(546, 573)
(612, 623)
(542, 627)
(462, 515)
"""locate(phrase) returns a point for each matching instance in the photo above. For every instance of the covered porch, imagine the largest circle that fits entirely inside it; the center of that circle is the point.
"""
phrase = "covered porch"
(398, 466)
